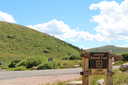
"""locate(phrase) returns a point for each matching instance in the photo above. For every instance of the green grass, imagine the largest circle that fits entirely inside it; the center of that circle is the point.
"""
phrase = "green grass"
(119, 78)
(119, 62)
(19, 43)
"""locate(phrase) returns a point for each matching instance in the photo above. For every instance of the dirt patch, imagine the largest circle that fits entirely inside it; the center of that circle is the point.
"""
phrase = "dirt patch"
(42, 80)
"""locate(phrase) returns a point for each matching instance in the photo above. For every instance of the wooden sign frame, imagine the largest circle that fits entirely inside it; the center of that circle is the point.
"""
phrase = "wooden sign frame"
(102, 58)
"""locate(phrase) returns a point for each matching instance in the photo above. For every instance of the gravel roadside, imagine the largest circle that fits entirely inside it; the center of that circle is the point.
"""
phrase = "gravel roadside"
(40, 80)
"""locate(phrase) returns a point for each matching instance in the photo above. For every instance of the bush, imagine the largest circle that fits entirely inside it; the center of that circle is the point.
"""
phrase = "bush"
(125, 56)
(45, 66)
(48, 65)
(118, 62)
(73, 57)
(13, 63)
(29, 62)
(0, 63)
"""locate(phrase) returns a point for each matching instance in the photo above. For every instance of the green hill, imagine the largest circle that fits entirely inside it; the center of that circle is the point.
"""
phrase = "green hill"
(114, 49)
(20, 42)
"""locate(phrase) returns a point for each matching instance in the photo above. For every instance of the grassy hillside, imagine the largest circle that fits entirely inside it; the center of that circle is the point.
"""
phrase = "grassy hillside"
(114, 49)
(19, 42)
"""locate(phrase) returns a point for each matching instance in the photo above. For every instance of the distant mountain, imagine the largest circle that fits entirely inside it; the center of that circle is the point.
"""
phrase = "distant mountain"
(114, 49)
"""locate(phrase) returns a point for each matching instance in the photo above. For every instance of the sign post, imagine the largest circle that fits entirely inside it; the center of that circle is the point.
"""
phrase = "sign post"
(85, 73)
(95, 63)
(109, 71)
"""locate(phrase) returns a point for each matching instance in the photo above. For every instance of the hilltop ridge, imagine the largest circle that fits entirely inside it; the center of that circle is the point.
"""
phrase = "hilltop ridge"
(115, 49)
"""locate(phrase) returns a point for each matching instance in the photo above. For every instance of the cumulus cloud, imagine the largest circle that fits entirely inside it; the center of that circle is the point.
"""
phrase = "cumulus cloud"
(6, 17)
(63, 31)
(112, 21)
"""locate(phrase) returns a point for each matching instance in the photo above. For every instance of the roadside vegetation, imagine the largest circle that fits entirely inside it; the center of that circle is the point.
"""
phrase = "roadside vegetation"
(120, 62)
(119, 78)
(124, 59)
(38, 63)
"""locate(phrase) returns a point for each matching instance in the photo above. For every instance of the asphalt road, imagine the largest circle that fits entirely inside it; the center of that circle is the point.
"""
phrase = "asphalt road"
(20, 74)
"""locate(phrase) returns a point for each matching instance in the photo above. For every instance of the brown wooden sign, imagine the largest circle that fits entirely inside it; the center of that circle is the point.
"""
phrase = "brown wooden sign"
(96, 63)
(98, 60)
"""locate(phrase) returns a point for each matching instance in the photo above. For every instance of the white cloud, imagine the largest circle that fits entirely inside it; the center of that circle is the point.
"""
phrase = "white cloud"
(6, 17)
(112, 21)
(62, 31)
(53, 27)
(112, 24)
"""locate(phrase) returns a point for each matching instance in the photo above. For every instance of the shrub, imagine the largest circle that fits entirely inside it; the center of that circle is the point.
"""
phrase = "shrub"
(48, 65)
(0, 62)
(73, 57)
(13, 63)
(125, 56)
(11, 36)
(45, 66)
(29, 62)
(41, 66)
(118, 62)
(46, 51)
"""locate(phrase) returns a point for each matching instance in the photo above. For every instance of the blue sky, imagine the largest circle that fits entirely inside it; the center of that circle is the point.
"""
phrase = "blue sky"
(83, 23)
(72, 12)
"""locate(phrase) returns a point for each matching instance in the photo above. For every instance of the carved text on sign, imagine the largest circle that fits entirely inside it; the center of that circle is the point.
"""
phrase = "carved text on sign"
(98, 60)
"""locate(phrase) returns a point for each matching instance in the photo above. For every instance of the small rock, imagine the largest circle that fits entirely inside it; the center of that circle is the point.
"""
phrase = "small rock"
(100, 82)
